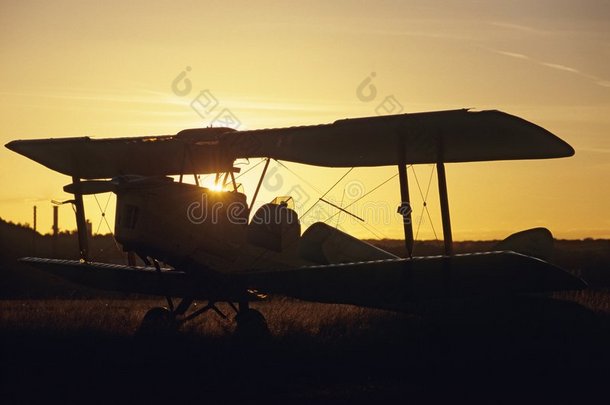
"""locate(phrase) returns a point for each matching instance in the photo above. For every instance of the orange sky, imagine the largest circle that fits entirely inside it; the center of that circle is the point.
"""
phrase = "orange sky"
(72, 68)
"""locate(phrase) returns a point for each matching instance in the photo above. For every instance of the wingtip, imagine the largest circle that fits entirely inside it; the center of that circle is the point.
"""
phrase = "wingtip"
(10, 145)
(16, 145)
(568, 150)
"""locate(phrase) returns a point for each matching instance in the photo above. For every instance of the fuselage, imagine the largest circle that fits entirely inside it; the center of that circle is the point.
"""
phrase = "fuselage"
(184, 224)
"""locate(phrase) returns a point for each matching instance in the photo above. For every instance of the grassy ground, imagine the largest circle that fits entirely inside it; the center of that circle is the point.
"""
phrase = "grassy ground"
(85, 351)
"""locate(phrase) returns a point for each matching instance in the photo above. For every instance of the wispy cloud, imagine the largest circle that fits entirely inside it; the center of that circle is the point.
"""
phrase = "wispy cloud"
(93, 96)
(511, 54)
(560, 67)
(556, 66)
(594, 150)
(518, 27)
(425, 34)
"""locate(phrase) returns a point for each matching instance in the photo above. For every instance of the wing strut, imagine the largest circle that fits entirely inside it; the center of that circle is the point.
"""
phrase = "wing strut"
(442, 192)
(405, 205)
(81, 224)
(258, 186)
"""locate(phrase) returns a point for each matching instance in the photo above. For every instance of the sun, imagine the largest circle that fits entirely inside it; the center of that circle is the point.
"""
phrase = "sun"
(216, 187)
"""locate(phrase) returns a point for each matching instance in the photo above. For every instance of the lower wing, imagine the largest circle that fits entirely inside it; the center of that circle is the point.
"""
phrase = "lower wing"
(391, 283)
(395, 283)
(142, 280)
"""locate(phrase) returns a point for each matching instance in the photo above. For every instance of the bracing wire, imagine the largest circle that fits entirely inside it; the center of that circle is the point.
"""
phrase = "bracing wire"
(299, 177)
(250, 168)
(425, 204)
(362, 196)
(103, 211)
(340, 205)
(313, 187)
(327, 191)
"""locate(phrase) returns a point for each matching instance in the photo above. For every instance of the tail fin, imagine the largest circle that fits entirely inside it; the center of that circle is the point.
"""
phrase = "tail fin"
(536, 242)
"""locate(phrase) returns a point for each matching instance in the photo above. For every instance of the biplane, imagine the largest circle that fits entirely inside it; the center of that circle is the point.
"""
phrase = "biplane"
(234, 255)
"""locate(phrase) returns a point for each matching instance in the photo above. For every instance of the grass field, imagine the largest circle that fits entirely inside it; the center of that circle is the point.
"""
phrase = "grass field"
(80, 346)
(85, 351)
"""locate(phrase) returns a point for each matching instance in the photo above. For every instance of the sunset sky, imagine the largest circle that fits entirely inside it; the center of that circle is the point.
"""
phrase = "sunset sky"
(106, 69)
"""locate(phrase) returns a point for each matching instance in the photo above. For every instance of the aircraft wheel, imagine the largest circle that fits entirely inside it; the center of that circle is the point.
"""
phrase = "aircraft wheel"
(251, 324)
(158, 321)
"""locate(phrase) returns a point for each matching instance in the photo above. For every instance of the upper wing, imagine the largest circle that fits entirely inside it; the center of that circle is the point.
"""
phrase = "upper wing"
(431, 137)
(190, 151)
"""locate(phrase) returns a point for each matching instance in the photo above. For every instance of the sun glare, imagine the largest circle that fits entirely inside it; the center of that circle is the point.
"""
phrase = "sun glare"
(216, 187)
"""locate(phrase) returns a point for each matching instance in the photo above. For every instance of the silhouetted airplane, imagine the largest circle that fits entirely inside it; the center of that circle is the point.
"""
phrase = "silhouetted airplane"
(218, 254)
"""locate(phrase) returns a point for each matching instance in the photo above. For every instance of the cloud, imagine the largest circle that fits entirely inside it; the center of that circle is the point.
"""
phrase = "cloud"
(517, 27)
(594, 150)
(511, 54)
(556, 66)
(114, 97)
(560, 67)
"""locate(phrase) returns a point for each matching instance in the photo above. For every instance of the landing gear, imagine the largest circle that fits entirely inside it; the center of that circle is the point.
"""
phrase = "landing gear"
(164, 322)
(158, 321)
(250, 323)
